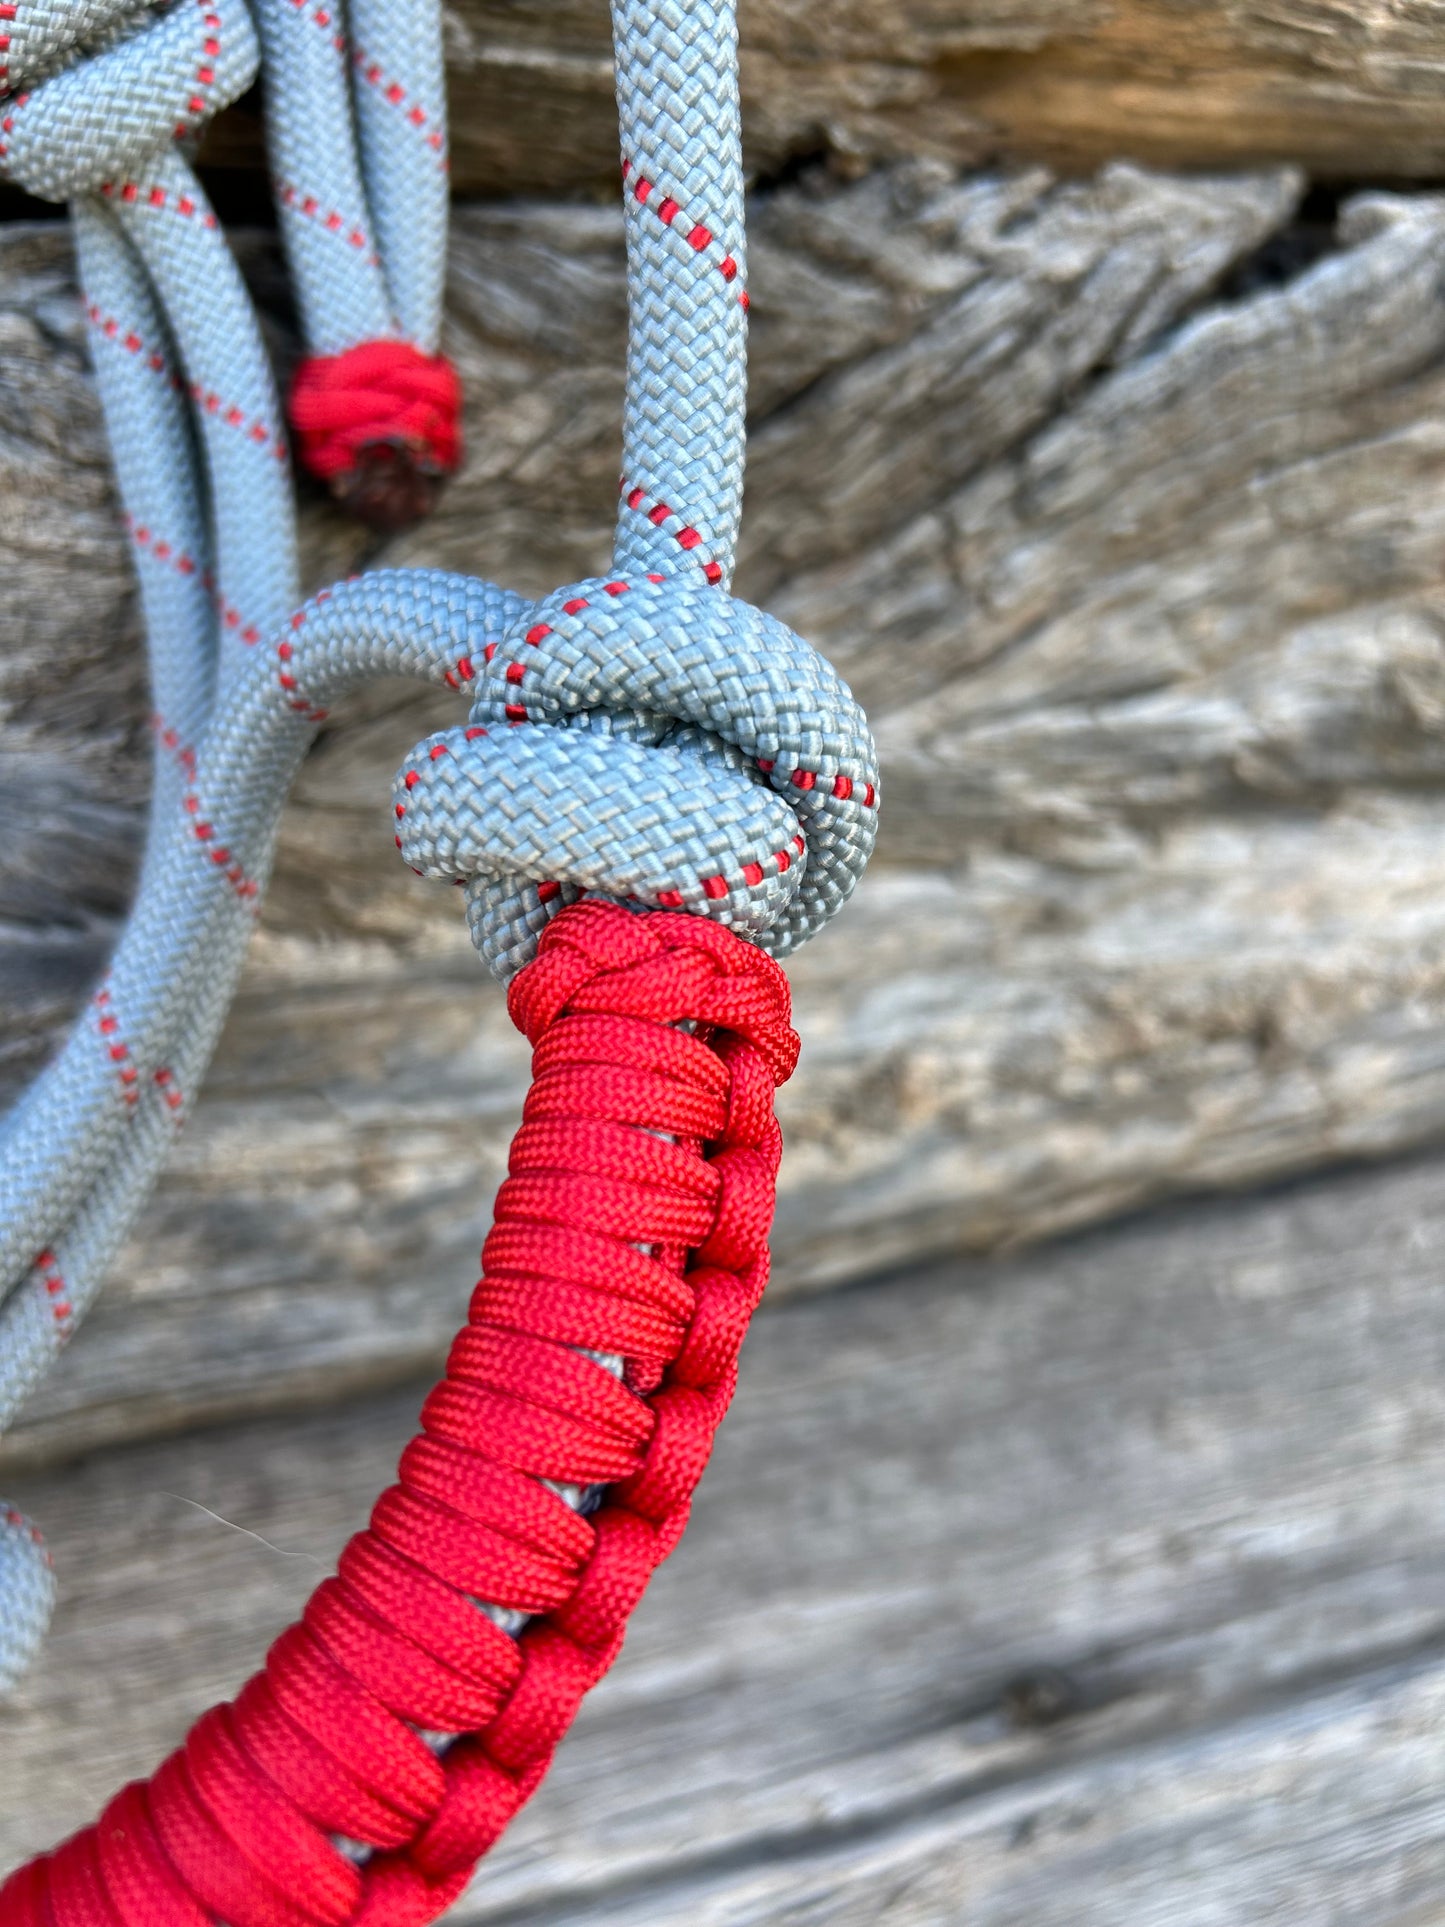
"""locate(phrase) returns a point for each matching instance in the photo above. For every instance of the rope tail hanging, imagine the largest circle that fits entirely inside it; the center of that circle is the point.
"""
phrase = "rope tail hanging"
(103, 99)
(638, 747)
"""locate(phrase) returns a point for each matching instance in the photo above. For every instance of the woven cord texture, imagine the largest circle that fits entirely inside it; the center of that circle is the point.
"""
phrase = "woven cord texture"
(396, 1716)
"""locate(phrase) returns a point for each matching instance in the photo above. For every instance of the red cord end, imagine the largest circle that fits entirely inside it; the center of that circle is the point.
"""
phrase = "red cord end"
(381, 425)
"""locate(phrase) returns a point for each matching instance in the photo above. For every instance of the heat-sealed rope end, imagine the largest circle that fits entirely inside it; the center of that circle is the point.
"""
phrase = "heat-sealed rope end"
(388, 489)
(381, 425)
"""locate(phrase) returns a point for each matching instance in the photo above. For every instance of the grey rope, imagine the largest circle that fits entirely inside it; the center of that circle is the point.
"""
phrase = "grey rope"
(645, 737)
(98, 94)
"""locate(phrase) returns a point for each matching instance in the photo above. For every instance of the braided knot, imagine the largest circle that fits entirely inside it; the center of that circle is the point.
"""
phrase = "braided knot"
(381, 424)
(654, 742)
(93, 124)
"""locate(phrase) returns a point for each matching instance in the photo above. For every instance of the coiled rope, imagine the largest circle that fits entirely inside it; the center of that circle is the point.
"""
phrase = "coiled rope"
(644, 739)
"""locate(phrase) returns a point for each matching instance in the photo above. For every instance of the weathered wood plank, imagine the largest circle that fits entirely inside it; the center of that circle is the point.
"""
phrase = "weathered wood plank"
(1350, 89)
(1101, 1583)
(1142, 588)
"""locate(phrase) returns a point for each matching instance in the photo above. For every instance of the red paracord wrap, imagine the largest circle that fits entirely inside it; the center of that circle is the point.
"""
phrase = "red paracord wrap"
(237, 1825)
(383, 394)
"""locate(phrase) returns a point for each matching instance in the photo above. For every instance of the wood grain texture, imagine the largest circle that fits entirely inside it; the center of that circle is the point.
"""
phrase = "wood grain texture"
(1350, 89)
(1121, 503)
(1097, 1584)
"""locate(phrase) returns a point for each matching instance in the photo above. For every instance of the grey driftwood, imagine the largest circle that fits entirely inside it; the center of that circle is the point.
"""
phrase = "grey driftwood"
(1121, 502)
(1098, 1587)
(1348, 88)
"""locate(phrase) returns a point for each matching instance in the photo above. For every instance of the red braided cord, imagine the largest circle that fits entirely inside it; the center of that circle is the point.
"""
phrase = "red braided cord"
(380, 394)
(322, 1742)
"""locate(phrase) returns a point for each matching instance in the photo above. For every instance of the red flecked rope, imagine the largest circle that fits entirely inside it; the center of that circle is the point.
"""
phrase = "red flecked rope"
(608, 1237)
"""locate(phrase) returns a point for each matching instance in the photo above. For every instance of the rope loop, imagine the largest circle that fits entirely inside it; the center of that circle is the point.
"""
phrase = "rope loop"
(97, 122)
(657, 742)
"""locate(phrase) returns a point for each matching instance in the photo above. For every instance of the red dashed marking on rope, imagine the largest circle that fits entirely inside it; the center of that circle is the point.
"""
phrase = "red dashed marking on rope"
(170, 739)
(699, 237)
(548, 892)
(323, 18)
(205, 834)
(61, 1310)
(127, 338)
(132, 193)
(232, 619)
(395, 95)
(210, 403)
(185, 564)
(170, 1090)
(843, 787)
(295, 697)
(156, 545)
(244, 886)
(661, 515)
(463, 671)
(206, 399)
(116, 1049)
(205, 77)
(17, 1521)
(7, 126)
(333, 222)
(715, 888)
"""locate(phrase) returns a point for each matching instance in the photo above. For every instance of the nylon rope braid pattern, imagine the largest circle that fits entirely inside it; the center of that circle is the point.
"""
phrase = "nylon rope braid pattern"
(725, 770)
(102, 100)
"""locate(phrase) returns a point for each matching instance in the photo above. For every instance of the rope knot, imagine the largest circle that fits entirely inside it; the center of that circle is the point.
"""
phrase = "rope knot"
(653, 741)
(381, 424)
(94, 124)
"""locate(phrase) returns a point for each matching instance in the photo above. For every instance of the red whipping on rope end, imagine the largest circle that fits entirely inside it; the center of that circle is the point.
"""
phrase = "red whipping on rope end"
(382, 426)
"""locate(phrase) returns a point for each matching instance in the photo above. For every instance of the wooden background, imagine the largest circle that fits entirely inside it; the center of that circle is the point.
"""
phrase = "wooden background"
(1099, 436)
